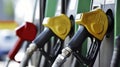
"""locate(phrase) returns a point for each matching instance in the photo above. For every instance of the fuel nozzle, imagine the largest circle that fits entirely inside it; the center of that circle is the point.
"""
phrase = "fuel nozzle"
(76, 41)
(26, 32)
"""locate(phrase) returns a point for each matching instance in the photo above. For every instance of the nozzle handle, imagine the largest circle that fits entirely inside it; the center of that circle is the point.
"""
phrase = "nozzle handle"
(15, 50)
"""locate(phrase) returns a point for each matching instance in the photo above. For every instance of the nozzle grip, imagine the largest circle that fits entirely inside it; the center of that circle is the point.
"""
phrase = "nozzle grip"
(78, 39)
(43, 37)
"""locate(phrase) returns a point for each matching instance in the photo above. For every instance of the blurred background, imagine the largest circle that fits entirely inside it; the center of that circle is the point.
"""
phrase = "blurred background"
(13, 13)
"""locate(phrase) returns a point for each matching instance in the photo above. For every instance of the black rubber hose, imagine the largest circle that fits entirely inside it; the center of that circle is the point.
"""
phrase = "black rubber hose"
(116, 54)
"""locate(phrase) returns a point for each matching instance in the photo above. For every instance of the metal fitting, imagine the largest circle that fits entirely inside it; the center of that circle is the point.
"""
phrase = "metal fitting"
(31, 48)
(66, 52)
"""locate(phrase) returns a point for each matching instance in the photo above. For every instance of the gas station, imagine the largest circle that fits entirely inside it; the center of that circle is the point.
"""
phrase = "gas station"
(59, 33)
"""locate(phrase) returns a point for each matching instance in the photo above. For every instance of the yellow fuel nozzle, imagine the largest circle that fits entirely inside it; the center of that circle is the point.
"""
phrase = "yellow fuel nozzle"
(96, 22)
(60, 25)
